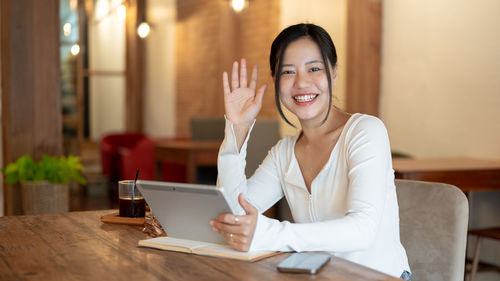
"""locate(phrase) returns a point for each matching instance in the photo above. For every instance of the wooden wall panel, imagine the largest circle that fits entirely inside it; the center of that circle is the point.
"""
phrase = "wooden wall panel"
(209, 37)
(47, 113)
(134, 62)
(31, 110)
(364, 22)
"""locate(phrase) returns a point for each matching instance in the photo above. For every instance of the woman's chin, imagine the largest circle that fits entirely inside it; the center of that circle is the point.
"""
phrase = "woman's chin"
(308, 118)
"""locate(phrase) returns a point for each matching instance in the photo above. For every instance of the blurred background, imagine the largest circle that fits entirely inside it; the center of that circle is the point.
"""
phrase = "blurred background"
(74, 71)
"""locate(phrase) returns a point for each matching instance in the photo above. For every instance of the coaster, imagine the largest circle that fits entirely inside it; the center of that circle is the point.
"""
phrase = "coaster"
(115, 218)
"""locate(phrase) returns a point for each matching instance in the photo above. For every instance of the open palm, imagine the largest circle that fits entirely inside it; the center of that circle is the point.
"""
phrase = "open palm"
(243, 103)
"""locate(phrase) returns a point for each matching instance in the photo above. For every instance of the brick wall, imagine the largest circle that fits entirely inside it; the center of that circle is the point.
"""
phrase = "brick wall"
(210, 36)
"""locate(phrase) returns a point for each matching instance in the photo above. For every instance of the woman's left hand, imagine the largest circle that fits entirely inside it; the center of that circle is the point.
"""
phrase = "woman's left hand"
(238, 230)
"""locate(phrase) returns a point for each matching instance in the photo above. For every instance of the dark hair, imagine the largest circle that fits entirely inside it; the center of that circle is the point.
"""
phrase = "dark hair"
(287, 36)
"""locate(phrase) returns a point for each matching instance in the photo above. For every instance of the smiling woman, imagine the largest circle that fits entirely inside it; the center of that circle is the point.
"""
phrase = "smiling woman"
(336, 173)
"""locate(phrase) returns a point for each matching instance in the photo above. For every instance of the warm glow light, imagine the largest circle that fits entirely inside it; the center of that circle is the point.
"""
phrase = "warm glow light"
(122, 11)
(143, 29)
(102, 8)
(75, 49)
(116, 3)
(238, 5)
(67, 29)
(73, 4)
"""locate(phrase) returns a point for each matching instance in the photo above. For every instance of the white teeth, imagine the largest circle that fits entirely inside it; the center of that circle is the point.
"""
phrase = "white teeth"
(304, 98)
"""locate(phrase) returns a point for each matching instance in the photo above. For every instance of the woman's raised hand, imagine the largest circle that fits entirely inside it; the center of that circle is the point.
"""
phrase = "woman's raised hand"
(242, 103)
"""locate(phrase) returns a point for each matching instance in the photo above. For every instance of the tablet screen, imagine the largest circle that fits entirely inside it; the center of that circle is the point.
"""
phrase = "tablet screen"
(184, 210)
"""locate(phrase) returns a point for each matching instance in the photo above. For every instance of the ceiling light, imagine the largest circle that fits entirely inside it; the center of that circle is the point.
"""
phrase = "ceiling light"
(238, 5)
(75, 49)
(143, 30)
(67, 29)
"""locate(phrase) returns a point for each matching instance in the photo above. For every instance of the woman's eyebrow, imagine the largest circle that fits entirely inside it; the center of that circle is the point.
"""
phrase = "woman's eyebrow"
(314, 61)
(309, 62)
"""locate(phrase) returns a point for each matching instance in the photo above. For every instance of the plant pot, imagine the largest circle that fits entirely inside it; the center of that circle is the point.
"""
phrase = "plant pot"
(44, 197)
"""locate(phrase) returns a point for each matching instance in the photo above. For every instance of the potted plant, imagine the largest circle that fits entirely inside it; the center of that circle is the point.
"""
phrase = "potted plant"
(44, 184)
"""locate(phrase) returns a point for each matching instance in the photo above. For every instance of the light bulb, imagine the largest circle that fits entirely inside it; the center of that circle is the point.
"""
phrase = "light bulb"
(238, 5)
(75, 49)
(67, 29)
(143, 29)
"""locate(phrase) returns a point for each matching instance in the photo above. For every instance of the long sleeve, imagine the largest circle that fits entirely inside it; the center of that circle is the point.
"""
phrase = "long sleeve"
(365, 150)
(352, 209)
(262, 190)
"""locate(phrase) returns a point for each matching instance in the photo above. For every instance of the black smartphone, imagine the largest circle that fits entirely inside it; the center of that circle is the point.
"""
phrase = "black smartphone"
(304, 263)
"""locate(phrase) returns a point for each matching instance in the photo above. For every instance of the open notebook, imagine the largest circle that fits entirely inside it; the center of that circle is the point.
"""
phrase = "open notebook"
(203, 248)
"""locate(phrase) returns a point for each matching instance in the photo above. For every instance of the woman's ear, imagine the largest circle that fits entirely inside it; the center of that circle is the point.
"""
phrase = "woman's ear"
(335, 75)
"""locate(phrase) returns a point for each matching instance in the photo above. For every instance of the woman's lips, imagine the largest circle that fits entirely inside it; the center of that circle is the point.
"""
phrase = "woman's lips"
(305, 99)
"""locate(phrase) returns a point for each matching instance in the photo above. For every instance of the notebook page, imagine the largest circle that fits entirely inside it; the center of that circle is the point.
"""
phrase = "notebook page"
(176, 242)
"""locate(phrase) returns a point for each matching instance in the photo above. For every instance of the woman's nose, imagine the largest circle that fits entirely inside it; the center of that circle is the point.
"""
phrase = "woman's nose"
(302, 80)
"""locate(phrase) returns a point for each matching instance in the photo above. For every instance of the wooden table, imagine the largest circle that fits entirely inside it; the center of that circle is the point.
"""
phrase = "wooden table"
(468, 174)
(189, 153)
(77, 246)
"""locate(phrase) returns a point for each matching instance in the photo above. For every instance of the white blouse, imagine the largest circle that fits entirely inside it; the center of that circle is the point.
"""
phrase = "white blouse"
(351, 211)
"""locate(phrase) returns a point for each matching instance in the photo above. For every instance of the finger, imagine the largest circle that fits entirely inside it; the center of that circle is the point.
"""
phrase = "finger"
(232, 239)
(228, 228)
(236, 220)
(243, 74)
(225, 83)
(234, 76)
(236, 239)
(253, 80)
(225, 218)
(260, 95)
(238, 242)
(249, 209)
(229, 219)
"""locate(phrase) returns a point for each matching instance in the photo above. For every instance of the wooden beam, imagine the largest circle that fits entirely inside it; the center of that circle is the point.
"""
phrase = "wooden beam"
(364, 21)
(80, 98)
(31, 81)
(134, 62)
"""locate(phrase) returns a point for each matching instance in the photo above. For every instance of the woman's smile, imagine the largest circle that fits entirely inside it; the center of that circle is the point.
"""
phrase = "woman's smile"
(305, 99)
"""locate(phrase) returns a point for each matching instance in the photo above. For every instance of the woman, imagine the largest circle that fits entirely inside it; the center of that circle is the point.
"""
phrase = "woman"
(336, 174)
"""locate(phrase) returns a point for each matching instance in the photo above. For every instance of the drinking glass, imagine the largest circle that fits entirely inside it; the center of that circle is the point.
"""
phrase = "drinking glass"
(132, 203)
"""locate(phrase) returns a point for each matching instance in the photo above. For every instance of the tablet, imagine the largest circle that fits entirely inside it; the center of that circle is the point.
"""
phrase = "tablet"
(185, 210)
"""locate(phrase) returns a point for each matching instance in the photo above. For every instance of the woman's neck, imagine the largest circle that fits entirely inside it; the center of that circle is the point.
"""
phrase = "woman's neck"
(335, 122)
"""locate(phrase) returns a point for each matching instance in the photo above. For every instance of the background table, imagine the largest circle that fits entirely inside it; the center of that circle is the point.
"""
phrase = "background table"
(468, 174)
(78, 246)
(189, 153)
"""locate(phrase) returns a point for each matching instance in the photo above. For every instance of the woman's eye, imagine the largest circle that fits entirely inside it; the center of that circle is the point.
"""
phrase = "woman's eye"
(286, 72)
(314, 69)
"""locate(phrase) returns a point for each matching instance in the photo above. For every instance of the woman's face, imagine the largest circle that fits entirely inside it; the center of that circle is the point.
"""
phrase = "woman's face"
(304, 84)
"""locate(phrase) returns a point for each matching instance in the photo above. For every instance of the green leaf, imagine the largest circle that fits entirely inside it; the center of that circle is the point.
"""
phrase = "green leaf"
(11, 173)
(58, 170)
(27, 168)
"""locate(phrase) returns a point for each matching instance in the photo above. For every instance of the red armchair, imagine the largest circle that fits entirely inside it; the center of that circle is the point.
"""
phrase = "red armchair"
(123, 154)
(173, 172)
